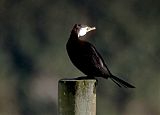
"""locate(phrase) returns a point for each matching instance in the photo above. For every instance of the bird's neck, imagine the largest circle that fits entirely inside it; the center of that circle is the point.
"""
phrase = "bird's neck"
(74, 36)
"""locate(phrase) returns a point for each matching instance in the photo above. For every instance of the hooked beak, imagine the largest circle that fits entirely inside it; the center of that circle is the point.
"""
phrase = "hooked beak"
(90, 28)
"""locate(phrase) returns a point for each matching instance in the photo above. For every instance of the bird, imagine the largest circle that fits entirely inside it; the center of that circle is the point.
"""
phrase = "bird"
(86, 58)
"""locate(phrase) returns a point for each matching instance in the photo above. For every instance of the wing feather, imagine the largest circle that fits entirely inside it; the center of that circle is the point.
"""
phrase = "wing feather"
(94, 60)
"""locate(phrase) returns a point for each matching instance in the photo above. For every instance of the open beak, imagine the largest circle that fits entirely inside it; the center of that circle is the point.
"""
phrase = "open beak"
(90, 28)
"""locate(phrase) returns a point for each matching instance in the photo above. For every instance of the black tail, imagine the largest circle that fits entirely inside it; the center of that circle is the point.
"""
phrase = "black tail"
(120, 82)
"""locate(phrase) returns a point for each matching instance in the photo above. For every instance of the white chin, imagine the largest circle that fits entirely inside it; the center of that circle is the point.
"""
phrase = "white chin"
(81, 34)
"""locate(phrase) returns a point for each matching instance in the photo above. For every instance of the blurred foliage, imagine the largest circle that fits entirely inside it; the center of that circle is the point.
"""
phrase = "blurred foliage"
(33, 58)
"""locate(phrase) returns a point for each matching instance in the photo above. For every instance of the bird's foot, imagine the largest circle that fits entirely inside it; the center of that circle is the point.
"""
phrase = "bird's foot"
(87, 77)
(92, 77)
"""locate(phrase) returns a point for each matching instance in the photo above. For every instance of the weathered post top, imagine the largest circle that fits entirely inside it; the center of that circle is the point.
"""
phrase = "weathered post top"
(77, 96)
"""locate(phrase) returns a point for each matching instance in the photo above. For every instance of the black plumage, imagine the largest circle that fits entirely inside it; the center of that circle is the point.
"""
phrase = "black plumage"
(87, 59)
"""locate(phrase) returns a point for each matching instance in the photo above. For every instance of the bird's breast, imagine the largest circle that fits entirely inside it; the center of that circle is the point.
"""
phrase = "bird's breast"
(76, 52)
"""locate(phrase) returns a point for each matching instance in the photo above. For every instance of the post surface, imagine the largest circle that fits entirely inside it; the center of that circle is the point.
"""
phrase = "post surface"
(77, 97)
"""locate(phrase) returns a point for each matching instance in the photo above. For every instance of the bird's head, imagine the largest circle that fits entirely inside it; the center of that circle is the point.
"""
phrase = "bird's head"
(82, 30)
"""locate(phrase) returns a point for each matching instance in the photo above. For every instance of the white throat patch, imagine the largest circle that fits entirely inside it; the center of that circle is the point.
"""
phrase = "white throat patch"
(82, 32)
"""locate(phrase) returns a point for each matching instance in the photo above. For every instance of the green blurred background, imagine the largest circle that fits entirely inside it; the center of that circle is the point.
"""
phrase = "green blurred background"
(33, 34)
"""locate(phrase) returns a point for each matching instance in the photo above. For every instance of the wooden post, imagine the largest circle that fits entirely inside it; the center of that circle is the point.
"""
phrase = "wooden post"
(77, 97)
